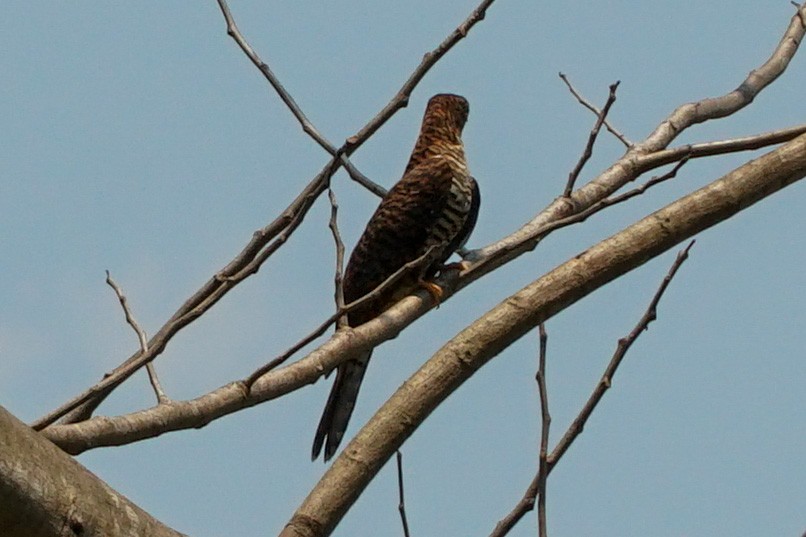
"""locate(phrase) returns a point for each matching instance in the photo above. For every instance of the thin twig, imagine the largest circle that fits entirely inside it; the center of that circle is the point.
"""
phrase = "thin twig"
(141, 337)
(401, 506)
(334, 230)
(536, 491)
(584, 102)
(544, 433)
(624, 344)
(586, 154)
(654, 160)
(542, 232)
(527, 502)
(319, 330)
(307, 126)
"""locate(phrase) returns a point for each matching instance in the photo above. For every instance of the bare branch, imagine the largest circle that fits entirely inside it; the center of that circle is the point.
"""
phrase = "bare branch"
(430, 59)
(319, 330)
(544, 434)
(586, 154)
(141, 337)
(251, 257)
(584, 102)
(45, 492)
(401, 506)
(526, 504)
(624, 344)
(537, 488)
(334, 230)
(307, 126)
(639, 158)
(576, 218)
(719, 147)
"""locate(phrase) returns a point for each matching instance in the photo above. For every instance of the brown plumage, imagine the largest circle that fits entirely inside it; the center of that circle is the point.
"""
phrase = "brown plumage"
(435, 206)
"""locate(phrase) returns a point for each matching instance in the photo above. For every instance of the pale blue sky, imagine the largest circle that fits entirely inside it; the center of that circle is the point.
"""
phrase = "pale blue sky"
(139, 139)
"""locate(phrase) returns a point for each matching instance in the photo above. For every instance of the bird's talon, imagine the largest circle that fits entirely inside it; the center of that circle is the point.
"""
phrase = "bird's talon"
(433, 289)
(461, 266)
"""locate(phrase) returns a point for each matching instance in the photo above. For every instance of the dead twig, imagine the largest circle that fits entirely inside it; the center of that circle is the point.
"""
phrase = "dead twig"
(333, 224)
(544, 433)
(584, 102)
(401, 506)
(141, 337)
(537, 486)
(541, 232)
(586, 154)
(307, 126)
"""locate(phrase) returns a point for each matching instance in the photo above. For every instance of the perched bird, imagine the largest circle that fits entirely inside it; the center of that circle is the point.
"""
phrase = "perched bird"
(432, 211)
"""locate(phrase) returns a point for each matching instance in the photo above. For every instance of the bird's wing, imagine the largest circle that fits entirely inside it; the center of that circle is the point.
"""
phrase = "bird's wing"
(397, 233)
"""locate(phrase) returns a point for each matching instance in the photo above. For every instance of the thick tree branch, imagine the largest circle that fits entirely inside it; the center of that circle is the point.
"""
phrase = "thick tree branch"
(45, 493)
(474, 346)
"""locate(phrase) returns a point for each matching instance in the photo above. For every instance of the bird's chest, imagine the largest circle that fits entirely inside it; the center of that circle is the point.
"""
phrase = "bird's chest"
(451, 216)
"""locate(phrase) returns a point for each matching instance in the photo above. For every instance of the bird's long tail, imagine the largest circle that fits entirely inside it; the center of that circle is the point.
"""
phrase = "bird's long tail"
(339, 407)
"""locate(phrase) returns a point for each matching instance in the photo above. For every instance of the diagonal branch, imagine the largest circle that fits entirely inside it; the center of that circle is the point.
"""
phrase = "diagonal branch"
(141, 336)
(307, 126)
(547, 462)
(584, 102)
(344, 310)
(624, 344)
(588, 152)
(253, 255)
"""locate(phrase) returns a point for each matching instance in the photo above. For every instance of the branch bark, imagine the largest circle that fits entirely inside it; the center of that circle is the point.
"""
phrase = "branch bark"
(46, 493)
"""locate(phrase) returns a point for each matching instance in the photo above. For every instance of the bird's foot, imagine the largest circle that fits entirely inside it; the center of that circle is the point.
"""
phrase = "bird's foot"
(433, 289)
(461, 266)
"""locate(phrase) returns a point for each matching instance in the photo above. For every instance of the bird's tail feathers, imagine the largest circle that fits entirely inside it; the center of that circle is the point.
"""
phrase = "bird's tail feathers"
(339, 407)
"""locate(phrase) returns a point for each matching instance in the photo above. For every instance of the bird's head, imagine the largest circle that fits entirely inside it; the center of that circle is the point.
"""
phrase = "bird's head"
(447, 111)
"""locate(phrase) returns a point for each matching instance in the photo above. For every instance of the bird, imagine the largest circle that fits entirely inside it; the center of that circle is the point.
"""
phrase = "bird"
(426, 216)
